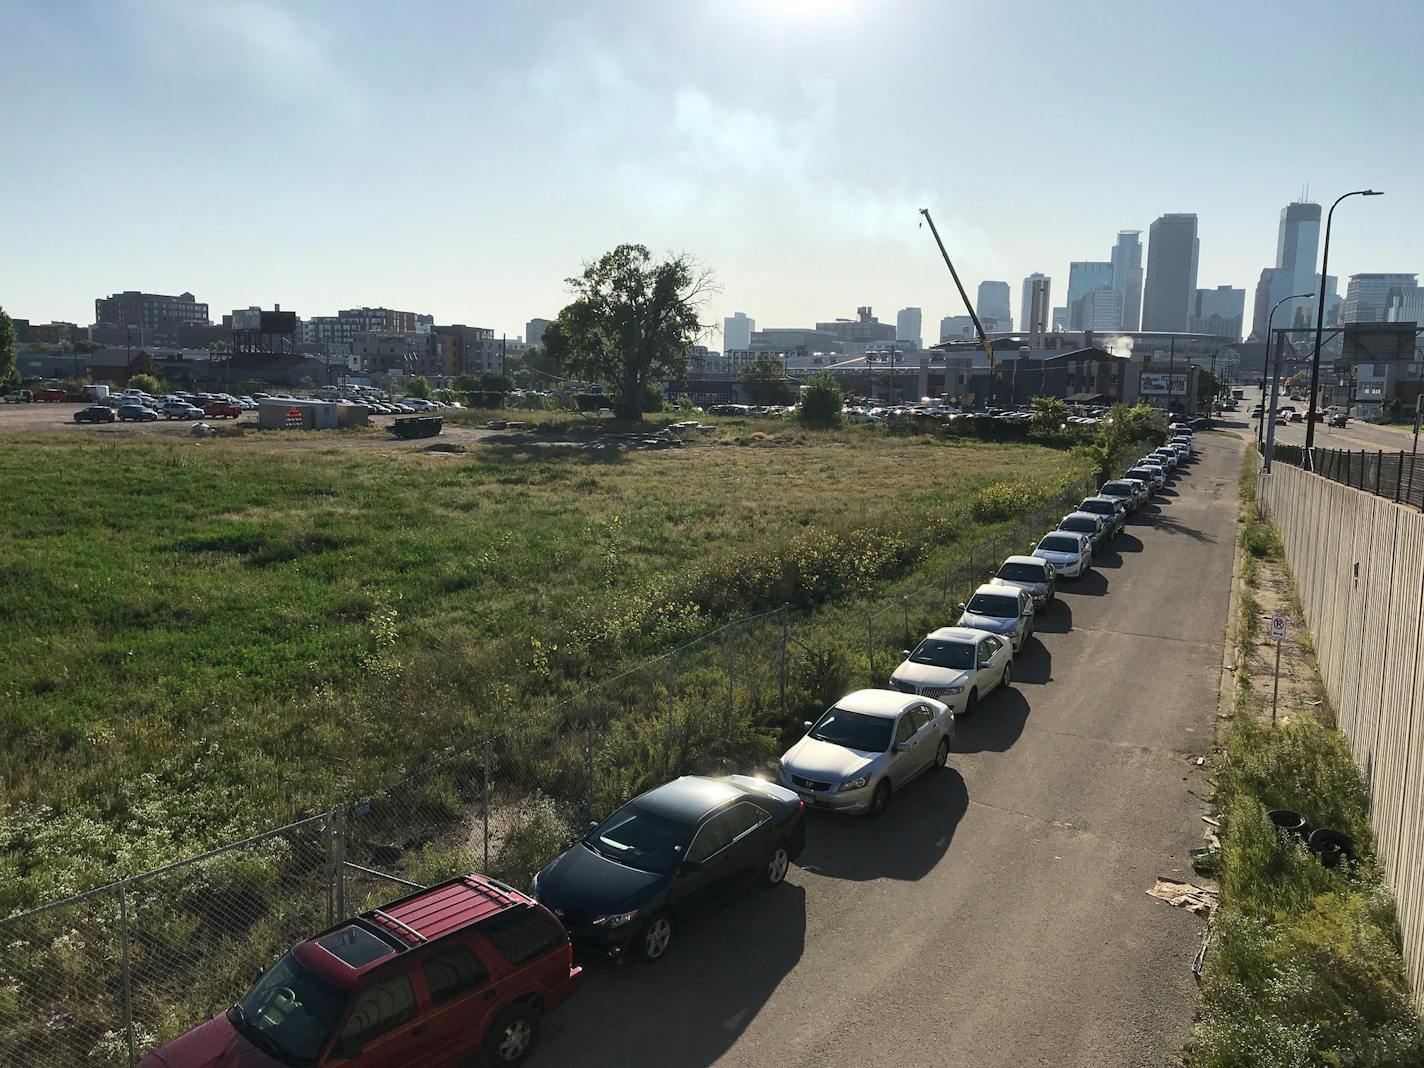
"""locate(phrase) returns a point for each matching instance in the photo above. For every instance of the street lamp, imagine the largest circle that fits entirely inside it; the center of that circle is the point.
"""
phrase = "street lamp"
(1266, 367)
(1275, 382)
(1320, 318)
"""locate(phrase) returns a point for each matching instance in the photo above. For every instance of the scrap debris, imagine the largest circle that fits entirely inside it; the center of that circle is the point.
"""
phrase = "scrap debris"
(1195, 899)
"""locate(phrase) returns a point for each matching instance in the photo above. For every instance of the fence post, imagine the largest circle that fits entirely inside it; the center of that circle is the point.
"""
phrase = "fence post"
(330, 836)
(486, 868)
(126, 972)
(338, 859)
(588, 752)
(870, 649)
(1399, 477)
(727, 648)
(670, 672)
(1379, 466)
(1362, 469)
(905, 611)
(785, 644)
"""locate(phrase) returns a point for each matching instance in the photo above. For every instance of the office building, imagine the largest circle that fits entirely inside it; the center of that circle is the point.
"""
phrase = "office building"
(737, 332)
(907, 326)
(150, 311)
(1272, 287)
(1407, 306)
(992, 305)
(1060, 320)
(1332, 298)
(1031, 318)
(855, 334)
(1219, 311)
(1171, 281)
(534, 331)
(1084, 276)
(956, 328)
(342, 328)
(470, 350)
(1297, 246)
(1126, 259)
(774, 339)
(1099, 310)
(1368, 297)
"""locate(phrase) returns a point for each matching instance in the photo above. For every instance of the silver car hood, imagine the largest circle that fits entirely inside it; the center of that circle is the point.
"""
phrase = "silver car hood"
(929, 675)
(815, 759)
(997, 624)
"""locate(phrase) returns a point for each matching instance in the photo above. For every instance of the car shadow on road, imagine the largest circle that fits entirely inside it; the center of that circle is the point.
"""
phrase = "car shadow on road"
(692, 1006)
(1126, 543)
(1167, 491)
(1057, 618)
(1108, 557)
(1175, 526)
(1093, 584)
(1033, 664)
(995, 725)
(905, 843)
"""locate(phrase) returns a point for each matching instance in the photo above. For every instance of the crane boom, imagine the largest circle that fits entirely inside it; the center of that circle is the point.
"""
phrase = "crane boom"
(983, 341)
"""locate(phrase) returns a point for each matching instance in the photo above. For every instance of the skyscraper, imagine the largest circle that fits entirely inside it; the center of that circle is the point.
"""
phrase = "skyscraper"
(956, 328)
(1171, 283)
(1026, 308)
(737, 332)
(1126, 260)
(907, 325)
(1368, 297)
(1099, 309)
(1084, 276)
(1297, 242)
(993, 305)
(1272, 287)
(1219, 311)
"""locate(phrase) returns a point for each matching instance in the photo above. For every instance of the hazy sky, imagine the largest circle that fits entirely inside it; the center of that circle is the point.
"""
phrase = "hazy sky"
(461, 157)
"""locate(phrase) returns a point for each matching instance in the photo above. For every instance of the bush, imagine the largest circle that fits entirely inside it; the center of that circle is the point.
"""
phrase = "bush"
(418, 387)
(541, 835)
(147, 383)
(1001, 500)
(821, 401)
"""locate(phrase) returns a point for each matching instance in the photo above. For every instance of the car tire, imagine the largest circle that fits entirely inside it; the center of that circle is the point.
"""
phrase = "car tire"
(880, 799)
(777, 865)
(1007, 679)
(969, 703)
(513, 1035)
(942, 752)
(656, 938)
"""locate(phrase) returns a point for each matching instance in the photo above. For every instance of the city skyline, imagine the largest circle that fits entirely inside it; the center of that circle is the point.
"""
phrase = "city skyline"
(752, 177)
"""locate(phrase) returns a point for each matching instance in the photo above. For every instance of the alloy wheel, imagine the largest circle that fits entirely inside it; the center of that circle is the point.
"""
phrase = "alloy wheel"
(777, 866)
(657, 937)
(515, 1040)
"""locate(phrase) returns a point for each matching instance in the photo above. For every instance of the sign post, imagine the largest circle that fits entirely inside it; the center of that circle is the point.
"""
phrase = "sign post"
(1278, 633)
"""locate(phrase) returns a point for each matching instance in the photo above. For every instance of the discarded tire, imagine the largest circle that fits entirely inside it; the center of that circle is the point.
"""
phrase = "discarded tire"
(1289, 823)
(1332, 847)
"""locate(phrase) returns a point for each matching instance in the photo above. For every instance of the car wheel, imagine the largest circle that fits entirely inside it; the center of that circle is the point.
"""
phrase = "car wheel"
(942, 753)
(512, 1038)
(777, 865)
(880, 798)
(1008, 677)
(969, 703)
(653, 943)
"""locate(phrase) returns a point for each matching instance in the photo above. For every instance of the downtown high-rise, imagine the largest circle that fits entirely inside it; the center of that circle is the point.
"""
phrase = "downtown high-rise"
(1170, 288)
(1126, 259)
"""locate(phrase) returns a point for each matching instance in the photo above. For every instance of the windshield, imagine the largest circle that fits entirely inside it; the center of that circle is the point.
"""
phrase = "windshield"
(937, 653)
(1117, 489)
(869, 734)
(1059, 543)
(988, 604)
(1022, 573)
(640, 839)
(1097, 507)
(289, 1014)
(1082, 526)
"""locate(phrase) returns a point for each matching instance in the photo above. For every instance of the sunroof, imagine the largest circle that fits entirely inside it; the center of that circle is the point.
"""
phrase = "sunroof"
(354, 946)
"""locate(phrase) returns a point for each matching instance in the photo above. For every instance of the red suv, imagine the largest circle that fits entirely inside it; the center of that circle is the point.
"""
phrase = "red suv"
(221, 409)
(465, 966)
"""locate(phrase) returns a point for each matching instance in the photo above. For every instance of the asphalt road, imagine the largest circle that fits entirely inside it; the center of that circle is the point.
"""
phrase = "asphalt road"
(1355, 435)
(996, 915)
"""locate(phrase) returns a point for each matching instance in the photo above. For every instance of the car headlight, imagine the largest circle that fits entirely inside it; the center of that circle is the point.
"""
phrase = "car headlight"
(859, 782)
(617, 919)
(954, 689)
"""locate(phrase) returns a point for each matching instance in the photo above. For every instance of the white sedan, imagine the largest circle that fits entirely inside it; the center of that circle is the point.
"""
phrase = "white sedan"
(1071, 554)
(956, 665)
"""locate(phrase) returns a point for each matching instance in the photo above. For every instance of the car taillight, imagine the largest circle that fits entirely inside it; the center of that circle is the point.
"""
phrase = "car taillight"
(800, 805)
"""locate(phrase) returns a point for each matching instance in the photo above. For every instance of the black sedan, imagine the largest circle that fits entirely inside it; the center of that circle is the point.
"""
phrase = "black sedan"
(95, 413)
(139, 412)
(669, 857)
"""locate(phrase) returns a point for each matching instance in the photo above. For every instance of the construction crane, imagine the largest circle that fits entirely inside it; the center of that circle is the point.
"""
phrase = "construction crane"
(983, 341)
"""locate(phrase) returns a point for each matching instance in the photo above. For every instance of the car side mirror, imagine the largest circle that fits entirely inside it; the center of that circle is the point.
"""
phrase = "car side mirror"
(961, 606)
(807, 724)
(687, 867)
(905, 653)
(902, 747)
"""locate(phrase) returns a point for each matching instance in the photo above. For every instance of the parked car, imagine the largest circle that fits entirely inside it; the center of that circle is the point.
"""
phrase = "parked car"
(222, 409)
(1086, 523)
(1070, 554)
(137, 412)
(1296, 417)
(1339, 419)
(181, 409)
(19, 396)
(1169, 457)
(957, 666)
(867, 746)
(667, 858)
(95, 413)
(1111, 510)
(1282, 419)
(999, 610)
(1125, 490)
(1153, 475)
(1031, 574)
(467, 966)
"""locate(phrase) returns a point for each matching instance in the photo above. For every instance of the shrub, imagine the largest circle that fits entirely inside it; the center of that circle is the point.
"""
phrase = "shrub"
(540, 836)
(821, 401)
(418, 387)
(1001, 500)
(147, 383)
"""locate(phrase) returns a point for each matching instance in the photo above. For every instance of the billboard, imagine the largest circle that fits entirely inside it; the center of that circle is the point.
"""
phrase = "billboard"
(279, 322)
(1156, 383)
(1379, 343)
(245, 319)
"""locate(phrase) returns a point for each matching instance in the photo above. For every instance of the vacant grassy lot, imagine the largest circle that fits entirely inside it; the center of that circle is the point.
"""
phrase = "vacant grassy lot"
(202, 638)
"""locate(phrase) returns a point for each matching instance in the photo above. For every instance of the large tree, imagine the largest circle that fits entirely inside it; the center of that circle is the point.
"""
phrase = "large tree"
(632, 323)
(764, 382)
(7, 348)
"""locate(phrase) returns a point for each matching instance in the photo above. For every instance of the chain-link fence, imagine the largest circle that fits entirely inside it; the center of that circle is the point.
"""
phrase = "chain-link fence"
(101, 978)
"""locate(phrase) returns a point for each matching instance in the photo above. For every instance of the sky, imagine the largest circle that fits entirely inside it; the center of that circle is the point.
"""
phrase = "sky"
(464, 157)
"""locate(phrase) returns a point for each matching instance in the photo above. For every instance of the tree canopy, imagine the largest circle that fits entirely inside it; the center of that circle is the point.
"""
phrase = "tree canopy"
(764, 382)
(631, 324)
(418, 387)
(821, 401)
(148, 383)
(7, 348)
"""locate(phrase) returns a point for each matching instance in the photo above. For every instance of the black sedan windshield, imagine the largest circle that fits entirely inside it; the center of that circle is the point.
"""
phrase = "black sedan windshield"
(936, 653)
(1023, 573)
(987, 604)
(1098, 507)
(1060, 543)
(289, 1014)
(640, 839)
(854, 730)
(1117, 489)
(1082, 526)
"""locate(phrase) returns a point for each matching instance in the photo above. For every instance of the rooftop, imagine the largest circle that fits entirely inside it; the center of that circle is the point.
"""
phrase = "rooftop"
(875, 702)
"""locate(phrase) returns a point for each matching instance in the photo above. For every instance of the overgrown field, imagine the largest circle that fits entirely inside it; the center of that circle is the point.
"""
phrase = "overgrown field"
(200, 639)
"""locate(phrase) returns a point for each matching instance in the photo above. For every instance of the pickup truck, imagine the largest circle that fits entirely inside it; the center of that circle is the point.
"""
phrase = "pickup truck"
(221, 409)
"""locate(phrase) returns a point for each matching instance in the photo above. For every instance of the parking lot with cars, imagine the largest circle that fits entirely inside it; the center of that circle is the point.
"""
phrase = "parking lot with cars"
(996, 913)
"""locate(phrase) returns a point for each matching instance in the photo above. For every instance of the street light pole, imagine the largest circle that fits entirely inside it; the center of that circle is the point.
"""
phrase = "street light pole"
(1265, 370)
(1320, 318)
(1275, 382)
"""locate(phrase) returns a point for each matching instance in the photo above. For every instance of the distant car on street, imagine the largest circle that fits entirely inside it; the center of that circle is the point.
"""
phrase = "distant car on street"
(95, 413)
(137, 413)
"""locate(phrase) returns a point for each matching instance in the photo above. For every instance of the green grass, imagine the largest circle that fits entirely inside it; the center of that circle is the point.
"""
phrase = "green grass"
(202, 639)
